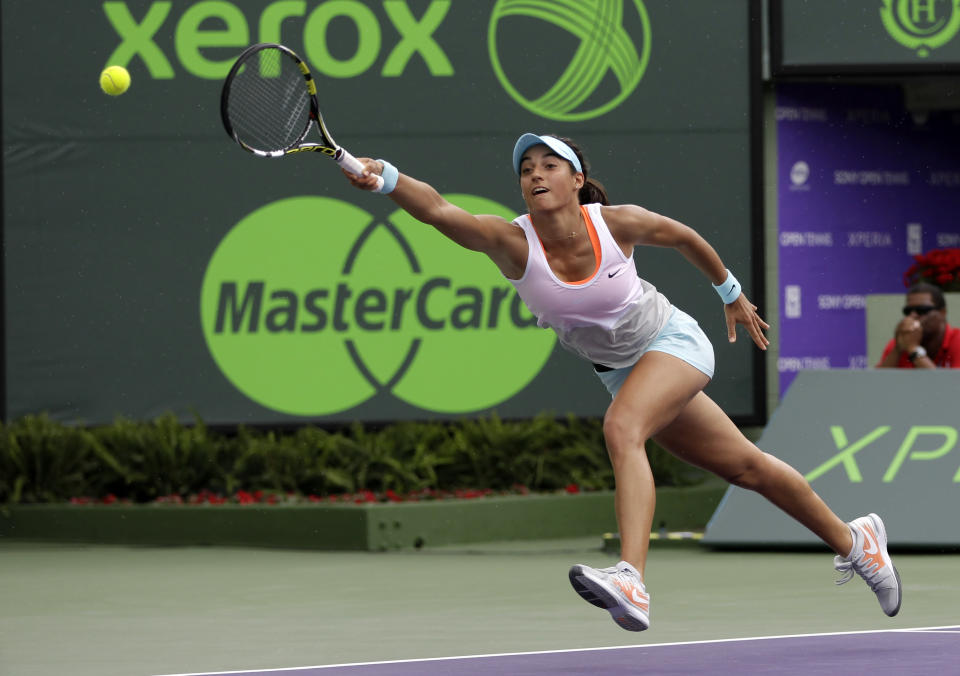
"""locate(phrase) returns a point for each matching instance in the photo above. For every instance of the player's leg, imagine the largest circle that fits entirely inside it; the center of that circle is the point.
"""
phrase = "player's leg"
(703, 435)
(658, 388)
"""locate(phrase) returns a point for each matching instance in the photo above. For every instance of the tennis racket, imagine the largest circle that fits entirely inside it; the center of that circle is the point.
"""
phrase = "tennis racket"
(269, 103)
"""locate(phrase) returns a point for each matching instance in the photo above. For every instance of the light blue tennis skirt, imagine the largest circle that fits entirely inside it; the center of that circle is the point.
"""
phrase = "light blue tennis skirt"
(681, 337)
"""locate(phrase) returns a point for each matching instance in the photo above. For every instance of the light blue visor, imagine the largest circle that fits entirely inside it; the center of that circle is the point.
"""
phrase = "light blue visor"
(526, 141)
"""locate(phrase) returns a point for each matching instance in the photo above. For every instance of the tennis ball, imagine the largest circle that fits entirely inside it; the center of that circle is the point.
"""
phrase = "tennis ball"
(114, 80)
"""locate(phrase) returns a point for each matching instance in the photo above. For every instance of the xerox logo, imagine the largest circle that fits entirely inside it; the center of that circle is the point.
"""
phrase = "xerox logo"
(311, 306)
(602, 44)
(598, 49)
(339, 38)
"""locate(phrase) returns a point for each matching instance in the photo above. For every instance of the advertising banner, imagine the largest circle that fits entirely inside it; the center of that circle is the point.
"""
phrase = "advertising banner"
(854, 36)
(153, 266)
(863, 185)
(867, 441)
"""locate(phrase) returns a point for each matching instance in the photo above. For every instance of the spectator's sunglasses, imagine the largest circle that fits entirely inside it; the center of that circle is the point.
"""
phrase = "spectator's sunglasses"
(919, 309)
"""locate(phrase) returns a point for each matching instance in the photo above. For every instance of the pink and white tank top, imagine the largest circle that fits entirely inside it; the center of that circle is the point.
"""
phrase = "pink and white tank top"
(608, 318)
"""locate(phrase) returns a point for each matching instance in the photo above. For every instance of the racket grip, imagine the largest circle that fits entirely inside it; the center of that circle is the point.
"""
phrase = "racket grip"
(353, 165)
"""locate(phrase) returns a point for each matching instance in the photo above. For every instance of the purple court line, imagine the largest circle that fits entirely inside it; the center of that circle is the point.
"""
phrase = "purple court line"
(918, 651)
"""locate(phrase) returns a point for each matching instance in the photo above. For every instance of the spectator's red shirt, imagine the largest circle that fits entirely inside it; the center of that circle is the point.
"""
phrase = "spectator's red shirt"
(948, 356)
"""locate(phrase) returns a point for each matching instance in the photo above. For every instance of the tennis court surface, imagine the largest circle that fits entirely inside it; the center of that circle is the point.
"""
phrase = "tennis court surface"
(155, 611)
(927, 650)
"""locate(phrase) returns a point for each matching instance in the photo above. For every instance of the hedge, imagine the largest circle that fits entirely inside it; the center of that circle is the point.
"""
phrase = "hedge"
(43, 461)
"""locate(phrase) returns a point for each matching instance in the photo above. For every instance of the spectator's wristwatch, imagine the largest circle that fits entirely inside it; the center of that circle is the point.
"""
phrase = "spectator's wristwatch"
(919, 352)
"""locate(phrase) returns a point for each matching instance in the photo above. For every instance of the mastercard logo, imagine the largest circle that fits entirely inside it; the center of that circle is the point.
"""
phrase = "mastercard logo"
(311, 306)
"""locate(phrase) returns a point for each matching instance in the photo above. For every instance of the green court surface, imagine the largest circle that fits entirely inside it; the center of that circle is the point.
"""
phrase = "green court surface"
(123, 611)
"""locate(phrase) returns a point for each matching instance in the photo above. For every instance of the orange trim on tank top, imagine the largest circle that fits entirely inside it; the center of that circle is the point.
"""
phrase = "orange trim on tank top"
(595, 241)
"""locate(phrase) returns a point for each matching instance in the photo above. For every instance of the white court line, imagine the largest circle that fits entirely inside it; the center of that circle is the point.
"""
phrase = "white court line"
(948, 629)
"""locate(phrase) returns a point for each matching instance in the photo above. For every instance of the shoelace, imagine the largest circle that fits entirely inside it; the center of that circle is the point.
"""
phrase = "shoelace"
(843, 566)
(849, 567)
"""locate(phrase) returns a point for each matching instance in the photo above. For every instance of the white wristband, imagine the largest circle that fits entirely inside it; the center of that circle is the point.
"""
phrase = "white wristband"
(730, 289)
(390, 176)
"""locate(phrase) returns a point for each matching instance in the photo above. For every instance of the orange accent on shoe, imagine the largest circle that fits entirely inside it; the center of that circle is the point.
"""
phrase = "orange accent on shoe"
(634, 594)
(871, 548)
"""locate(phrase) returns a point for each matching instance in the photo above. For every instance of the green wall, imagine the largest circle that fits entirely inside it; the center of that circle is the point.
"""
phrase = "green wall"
(126, 220)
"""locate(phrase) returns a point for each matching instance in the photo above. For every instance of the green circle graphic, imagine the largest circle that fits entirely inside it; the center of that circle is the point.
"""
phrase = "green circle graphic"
(310, 306)
(919, 28)
(604, 46)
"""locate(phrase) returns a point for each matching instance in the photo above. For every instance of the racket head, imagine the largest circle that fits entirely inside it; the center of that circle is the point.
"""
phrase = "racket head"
(269, 100)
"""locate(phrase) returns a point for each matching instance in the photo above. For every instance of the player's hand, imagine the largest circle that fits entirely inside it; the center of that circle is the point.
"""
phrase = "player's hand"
(368, 181)
(742, 311)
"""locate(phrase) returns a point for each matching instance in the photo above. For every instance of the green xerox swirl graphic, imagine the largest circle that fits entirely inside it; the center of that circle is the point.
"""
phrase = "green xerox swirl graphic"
(921, 25)
(602, 47)
(311, 306)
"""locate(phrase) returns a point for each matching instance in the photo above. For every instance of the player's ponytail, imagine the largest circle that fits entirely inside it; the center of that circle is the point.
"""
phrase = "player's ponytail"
(592, 190)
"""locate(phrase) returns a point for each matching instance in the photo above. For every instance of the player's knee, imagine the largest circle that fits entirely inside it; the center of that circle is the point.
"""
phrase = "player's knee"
(622, 436)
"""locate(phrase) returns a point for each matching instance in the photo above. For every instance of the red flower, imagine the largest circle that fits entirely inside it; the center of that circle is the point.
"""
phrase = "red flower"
(940, 267)
(572, 488)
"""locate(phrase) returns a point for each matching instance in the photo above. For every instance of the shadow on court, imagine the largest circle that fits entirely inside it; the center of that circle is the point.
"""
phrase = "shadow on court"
(119, 611)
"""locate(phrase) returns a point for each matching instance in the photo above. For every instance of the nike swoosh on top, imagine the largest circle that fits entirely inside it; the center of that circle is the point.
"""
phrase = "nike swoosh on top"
(871, 549)
(614, 273)
(638, 599)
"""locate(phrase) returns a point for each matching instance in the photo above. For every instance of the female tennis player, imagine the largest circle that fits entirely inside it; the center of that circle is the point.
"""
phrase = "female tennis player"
(571, 261)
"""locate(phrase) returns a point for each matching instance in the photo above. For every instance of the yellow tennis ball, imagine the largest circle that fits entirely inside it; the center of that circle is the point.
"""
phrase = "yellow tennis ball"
(115, 80)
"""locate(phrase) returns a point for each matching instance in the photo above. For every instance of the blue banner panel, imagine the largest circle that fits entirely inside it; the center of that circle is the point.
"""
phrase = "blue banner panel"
(863, 186)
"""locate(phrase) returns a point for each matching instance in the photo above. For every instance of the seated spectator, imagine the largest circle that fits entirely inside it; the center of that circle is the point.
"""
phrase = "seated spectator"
(923, 339)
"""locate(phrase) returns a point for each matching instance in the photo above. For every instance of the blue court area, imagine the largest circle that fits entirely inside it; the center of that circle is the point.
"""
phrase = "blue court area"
(925, 650)
(150, 611)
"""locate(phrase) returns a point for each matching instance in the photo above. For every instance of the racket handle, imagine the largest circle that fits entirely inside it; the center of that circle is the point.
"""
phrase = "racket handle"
(353, 165)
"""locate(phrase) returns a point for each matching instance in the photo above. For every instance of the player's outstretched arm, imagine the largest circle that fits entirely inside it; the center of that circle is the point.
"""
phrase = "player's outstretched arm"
(482, 233)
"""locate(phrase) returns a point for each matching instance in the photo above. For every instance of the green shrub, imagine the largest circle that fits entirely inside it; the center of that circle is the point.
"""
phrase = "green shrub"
(43, 461)
(141, 461)
(162, 457)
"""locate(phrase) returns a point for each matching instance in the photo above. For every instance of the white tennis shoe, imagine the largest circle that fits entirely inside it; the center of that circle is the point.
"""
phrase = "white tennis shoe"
(869, 559)
(618, 590)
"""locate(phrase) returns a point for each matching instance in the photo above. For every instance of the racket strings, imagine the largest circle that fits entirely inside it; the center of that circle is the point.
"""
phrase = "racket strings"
(268, 102)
